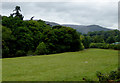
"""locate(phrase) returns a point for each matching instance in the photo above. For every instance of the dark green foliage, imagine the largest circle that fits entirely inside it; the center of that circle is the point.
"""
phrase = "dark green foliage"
(20, 53)
(102, 77)
(12, 22)
(6, 32)
(30, 53)
(6, 38)
(99, 45)
(21, 38)
(105, 39)
(86, 41)
(111, 77)
(62, 39)
(104, 36)
(5, 49)
(113, 46)
(24, 39)
(110, 40)
(105, 46)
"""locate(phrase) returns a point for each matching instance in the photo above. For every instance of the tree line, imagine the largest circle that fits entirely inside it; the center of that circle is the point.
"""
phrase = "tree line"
(103, 39)
(104, 36)
(21, 38)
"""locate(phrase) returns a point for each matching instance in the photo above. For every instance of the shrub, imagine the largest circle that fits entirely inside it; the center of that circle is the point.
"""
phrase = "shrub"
(117, 47)
(112, 76)
(99, 45)
(111, 46)
(105, 46)
(41, 49)
(29, 53)
(5, 52)
(20, 53)
(101, 77)
(114, 46)
(86, 41)
(82, 46)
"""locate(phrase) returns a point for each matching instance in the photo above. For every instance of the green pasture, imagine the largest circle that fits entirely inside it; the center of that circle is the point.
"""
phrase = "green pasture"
(69, 66)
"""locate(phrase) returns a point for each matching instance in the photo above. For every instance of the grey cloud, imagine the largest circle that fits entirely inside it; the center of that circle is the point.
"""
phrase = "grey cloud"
(104, 13)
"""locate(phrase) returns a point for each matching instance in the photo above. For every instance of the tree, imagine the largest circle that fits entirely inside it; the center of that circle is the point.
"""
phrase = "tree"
(21, 37)
(17, 13)
(6, 37)
(117, 38)
(67, 39)
(24, 39)
(6, 33)
(86, 41)
(110, 40)
(31, 18)
(12, 22)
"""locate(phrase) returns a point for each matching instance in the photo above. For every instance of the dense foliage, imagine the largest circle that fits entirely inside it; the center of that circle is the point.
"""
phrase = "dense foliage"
(23, 37)
(111, 77)
(105, 46)
(102, 39)
(99, 45)
(86, 41)
(104, 36)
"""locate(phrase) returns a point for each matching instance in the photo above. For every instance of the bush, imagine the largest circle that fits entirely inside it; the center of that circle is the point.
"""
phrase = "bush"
(5, 52)
(86, 41)
(41, 49)
(118, 47)
(29, 53)
(114, 46)
(20, 53)
(82, 46)
(99, 45)
(105, 46)
(112, 76)
(111, 46)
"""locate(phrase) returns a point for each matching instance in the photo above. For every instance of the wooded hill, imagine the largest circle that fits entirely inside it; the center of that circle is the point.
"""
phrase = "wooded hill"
(84, 29)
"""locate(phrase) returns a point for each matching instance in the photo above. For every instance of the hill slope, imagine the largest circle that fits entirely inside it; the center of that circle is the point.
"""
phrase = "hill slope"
(86, 29)
(81, 28)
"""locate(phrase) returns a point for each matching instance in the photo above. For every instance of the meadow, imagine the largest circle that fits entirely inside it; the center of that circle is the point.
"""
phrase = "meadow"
(68, 66)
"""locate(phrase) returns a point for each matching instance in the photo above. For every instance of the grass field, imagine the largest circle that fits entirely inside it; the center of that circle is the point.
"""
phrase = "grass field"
(69, 66)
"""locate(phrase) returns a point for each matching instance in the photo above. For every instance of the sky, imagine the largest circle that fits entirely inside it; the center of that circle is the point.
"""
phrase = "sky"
(80, 12)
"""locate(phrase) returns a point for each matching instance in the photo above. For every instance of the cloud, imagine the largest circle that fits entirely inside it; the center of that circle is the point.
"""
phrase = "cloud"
(59, 0)
(84, 12)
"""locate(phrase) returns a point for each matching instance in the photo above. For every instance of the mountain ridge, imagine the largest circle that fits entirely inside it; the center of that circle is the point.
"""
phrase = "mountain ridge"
(84, 29)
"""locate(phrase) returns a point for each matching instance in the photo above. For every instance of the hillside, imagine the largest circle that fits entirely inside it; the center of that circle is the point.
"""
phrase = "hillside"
(86, 29)
(81, 28)
(51, 23)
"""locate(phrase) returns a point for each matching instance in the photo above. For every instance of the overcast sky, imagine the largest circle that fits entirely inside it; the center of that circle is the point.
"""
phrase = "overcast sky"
(103, 13)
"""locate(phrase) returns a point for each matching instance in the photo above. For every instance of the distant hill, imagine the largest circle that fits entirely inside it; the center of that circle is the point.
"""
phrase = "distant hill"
(51, 23)
(81, 28)
(86, 29)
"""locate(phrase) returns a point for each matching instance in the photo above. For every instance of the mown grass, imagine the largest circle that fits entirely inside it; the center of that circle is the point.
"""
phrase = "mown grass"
(69, 66)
